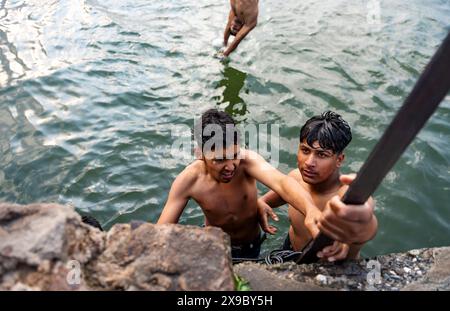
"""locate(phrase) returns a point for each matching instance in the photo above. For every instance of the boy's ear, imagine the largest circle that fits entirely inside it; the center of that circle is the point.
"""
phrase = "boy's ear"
(340, 159)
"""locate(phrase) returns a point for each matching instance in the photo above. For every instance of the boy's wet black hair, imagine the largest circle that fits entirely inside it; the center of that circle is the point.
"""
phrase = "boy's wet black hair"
(329, 129)
(217, 118)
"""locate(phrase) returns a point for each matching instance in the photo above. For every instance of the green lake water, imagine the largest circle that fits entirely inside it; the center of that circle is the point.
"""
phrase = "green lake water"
(93, 94)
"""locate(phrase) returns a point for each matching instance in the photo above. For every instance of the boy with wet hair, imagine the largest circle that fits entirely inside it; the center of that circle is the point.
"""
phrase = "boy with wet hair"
(223, 183)
(329, 129)
(323, 139)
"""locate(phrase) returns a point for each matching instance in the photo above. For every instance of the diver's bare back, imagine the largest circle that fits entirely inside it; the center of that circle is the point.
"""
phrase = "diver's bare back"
(243, 9)
(231, 206)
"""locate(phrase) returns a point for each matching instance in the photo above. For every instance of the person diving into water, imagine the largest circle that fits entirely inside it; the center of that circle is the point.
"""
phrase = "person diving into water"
(223, 183)
(242, 19)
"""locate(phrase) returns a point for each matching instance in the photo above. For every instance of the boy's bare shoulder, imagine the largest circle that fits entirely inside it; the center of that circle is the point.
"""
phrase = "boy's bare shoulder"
(247, 154)
(193, 171)
(251, 158)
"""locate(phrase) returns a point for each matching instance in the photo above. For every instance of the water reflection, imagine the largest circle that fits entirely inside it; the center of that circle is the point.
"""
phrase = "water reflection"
(233, 81)
(31, 168)
(9, 60)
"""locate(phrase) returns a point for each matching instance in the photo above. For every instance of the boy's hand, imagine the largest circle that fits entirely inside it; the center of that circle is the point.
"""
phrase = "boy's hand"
(221, 56)
(348, 223)
(337, 251)
(312, 217)
(264, 212)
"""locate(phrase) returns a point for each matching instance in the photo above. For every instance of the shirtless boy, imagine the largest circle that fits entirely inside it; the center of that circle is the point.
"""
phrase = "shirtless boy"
(320, 155)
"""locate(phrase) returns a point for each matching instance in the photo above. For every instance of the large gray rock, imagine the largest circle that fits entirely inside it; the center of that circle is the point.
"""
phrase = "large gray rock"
(164, 257)
(47, 247)
(38, 243)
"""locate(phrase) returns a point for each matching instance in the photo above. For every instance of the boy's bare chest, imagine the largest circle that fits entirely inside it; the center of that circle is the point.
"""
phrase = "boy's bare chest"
(321, 200)
(226, 198)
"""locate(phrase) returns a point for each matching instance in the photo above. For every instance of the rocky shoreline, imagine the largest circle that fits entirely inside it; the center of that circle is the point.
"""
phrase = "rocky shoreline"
(422, 269)
(48, 247)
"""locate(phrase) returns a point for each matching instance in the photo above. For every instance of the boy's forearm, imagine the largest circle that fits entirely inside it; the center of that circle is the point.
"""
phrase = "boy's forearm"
(233, 45)
(226, 36)
(373, 229)
(237, 40)
(272, 199)
(168, 216)
(354, 251)
(355, 248)
(295, 195)
(227, 31)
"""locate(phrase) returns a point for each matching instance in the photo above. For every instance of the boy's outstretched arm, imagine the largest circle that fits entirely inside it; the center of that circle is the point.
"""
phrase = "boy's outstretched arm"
(179, 195)
(245, 30)
(272, 199)
(286, 187)
(227, 31)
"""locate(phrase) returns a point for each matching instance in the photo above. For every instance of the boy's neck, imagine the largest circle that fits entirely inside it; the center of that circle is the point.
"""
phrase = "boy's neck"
(332, 184)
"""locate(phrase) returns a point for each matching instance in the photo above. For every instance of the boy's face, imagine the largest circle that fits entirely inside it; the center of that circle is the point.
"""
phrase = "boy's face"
(222, 164)
(317, 164)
